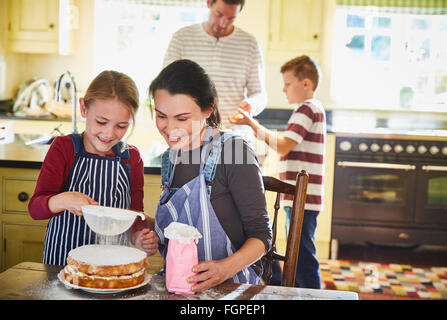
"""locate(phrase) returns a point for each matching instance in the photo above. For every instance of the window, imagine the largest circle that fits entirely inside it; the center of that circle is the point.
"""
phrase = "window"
(389, 60)
(132, 36)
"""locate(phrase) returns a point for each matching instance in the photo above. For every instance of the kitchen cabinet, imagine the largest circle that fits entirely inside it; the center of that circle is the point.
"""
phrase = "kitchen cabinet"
(22, 237)
(296, 27)
(39, 26)
(152, 192)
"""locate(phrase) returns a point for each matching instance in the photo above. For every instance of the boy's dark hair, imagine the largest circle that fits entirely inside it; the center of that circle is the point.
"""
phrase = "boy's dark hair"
(231, 2)
(187, 77)
(303, 67)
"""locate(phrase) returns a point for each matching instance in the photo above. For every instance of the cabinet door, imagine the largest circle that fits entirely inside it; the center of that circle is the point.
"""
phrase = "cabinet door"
(21, 243)
(38, 26)
(152, 192)
(296, 27)
(34, 20)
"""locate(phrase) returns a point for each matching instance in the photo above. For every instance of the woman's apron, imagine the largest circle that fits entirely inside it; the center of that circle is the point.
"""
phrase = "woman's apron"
(191, 205)
(104, 179)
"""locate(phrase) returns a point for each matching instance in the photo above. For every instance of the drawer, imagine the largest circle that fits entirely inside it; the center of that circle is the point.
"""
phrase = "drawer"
(16, 194)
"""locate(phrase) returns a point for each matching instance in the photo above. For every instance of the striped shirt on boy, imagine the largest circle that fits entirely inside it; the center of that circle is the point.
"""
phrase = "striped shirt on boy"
(306, 126)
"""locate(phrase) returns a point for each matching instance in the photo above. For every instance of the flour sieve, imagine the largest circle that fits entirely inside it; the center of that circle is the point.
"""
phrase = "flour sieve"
(109, 221)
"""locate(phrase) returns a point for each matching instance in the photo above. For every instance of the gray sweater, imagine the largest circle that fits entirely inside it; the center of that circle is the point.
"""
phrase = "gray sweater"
(237, 193)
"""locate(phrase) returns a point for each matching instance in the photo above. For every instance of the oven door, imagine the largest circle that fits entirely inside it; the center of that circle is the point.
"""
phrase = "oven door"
(431, 204)
(373, 192)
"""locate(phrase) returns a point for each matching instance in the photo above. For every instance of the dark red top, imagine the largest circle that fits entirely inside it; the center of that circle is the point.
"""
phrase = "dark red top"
(56, 168)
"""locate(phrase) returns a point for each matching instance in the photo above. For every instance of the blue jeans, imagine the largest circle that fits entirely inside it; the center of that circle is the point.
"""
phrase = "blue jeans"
(307, 271)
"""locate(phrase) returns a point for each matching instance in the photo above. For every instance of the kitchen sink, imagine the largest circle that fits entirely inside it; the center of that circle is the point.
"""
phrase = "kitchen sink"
(31, 139)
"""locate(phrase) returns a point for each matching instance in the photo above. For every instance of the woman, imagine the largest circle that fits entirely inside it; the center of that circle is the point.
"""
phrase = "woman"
(211, 180)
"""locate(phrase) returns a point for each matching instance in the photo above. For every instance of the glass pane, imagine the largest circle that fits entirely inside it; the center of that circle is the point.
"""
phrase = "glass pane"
(380, 47)
(357, 43)
(376, 188)
(402, 56)
(437, 193)
(355, 21)
(382, 22)
(420, 24)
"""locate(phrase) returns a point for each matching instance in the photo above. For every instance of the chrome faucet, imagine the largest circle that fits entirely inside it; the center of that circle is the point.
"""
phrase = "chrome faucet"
(73, 97)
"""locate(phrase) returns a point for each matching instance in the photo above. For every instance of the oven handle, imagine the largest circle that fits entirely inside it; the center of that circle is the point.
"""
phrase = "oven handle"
(376, 165)
(434, 168)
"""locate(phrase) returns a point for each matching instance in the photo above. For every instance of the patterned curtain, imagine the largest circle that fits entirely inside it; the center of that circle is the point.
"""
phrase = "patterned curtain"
(171, 3)
(399, 6)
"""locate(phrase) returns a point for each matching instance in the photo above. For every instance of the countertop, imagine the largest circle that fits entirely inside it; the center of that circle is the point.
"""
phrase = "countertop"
(17, 154)
(37, 281)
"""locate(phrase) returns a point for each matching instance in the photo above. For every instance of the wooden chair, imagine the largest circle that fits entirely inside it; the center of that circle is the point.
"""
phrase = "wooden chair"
(296, 222)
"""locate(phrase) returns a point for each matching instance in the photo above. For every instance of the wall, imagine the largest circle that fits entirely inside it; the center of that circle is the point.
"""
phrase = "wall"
(254, 18)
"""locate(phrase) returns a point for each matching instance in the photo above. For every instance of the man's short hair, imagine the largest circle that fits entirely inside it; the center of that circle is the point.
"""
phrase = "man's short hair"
(231, 2)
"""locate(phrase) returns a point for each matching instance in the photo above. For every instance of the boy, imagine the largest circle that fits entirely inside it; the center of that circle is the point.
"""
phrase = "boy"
(302, 147)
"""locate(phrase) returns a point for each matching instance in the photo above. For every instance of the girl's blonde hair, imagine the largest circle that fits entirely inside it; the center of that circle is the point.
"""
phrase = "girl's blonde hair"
(111, 84)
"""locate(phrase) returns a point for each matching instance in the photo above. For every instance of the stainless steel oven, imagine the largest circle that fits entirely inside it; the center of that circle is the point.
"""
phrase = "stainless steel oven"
(390, 191)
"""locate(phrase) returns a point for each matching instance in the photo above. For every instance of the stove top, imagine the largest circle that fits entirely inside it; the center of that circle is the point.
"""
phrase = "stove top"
(377, 146)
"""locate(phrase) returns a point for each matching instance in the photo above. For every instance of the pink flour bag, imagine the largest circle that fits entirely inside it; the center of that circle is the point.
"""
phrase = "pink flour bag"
(181, 256)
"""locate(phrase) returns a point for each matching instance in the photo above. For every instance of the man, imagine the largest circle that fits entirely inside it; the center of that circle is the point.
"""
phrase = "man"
(231, 56)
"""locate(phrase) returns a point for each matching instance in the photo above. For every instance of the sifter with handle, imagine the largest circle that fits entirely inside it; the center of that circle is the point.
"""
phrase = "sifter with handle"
(109, 221)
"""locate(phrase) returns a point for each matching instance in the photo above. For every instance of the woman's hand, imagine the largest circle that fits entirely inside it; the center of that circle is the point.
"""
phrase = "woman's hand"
(71, 201)
(147, 241)
(210, 274)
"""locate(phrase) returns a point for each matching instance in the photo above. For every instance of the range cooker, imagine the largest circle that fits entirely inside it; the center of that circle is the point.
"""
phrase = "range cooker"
(390, 191)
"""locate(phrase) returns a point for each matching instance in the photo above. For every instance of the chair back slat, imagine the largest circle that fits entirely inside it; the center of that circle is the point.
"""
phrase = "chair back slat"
(299, 192)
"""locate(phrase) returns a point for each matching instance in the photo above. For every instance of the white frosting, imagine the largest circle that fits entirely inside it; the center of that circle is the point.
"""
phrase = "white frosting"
(107, 255)
(70, 270)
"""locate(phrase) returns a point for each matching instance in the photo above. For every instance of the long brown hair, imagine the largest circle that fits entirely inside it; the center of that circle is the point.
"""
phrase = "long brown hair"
(187, 77)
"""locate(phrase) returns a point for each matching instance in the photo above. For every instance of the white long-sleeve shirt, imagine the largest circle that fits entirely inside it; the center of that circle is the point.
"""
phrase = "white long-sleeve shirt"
(234, 63)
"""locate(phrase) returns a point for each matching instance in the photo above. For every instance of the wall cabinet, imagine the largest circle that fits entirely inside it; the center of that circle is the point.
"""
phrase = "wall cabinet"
(296, 27)
(39, 26)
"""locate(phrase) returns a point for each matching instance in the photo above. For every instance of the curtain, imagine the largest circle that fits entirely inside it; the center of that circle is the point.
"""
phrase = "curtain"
(171, 3)
(399, 6)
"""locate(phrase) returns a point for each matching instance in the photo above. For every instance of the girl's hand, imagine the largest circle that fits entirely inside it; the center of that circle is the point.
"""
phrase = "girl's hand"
(147, 241)
(71, 201)
(210, 274)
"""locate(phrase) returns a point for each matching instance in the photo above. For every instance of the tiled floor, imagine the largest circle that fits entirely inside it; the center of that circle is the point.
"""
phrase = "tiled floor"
(416, 256)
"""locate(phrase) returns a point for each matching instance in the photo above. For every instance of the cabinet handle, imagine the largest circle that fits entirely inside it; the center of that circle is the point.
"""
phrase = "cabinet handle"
(315, 36)
(51, 25)
(23, 196)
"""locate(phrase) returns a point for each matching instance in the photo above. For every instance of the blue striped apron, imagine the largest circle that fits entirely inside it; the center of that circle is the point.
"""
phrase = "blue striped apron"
(191, 205)
(104, 179)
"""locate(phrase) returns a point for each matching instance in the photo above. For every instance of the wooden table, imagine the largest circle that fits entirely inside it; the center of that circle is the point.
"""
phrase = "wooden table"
(37, 281)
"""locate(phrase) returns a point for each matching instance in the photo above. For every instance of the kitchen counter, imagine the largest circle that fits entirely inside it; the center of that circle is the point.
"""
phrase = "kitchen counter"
(19, 155)
(37, 281)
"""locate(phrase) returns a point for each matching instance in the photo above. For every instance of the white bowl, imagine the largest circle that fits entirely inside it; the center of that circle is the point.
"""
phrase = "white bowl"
(109, 221)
